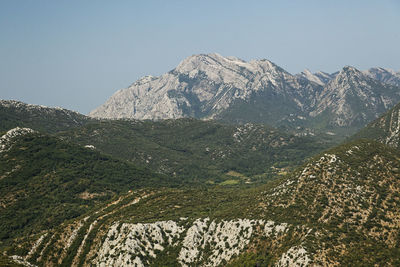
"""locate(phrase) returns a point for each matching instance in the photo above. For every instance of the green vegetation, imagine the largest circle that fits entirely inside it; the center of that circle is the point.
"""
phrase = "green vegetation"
(46, 181)
(197, 150)
(384, 129)
(17, 114)
(6, 262)
(50, 183)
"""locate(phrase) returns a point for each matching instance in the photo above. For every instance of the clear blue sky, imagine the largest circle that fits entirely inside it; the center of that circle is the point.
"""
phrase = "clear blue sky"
(75, 54)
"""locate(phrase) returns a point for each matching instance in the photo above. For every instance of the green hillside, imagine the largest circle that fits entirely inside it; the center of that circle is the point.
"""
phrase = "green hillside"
(18, 114)
(339, 209)
(385, 129)
(45, 181)
(199, 150)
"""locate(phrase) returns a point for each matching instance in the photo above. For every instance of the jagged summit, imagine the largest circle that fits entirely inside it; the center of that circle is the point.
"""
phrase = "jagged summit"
(325, 77)
(211, 86)
(353, 98)
(384, 75)
(348, 75)
(204, 86)
(212, 64)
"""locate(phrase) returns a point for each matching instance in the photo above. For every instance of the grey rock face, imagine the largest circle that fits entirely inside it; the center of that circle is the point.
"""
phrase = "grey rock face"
(320, 77)
(202, 86)
(384, 75)
(210, 86)
(353, 98)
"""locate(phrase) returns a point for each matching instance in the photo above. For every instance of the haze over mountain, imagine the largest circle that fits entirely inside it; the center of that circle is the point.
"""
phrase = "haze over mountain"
(210, 86)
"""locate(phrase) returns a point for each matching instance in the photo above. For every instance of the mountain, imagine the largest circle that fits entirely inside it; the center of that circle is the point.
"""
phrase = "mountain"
(341, 208)
(18, 114)
(320, 77)
(325, 77)
(212, 86)
(384, 75)
(352, 99)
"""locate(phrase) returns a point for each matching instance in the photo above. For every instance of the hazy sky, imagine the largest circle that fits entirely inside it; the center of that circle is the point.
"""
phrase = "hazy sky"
(75, 54)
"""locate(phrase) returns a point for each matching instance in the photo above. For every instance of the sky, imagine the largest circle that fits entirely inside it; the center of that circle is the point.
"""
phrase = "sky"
(76, 54)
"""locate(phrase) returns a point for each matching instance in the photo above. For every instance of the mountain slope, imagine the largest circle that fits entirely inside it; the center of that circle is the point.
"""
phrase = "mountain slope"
(44, 181)
(229, 89)
(353, 99)
(348, 194)
(384, 75)
(18, 114)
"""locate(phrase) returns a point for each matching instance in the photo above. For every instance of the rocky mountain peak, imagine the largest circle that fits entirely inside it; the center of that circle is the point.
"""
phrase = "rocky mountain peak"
(353, 98)
(208, 63)
(349, 70)
(384, 75)
(349, 76)
(308, 75)
(211, 86)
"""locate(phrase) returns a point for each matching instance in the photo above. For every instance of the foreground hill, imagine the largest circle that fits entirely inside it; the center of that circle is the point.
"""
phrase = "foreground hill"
(45, 181)
(340, 209)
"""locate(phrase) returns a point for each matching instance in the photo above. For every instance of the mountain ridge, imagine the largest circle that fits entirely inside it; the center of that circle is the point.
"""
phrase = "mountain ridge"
(210, 86)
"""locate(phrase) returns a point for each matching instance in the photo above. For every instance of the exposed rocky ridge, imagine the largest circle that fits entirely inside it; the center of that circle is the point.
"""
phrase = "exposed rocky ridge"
(184, 242)
(6, 141)
(204, 85)
(351, 194)
(353, 98)
(230, 89)
(384, 75)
